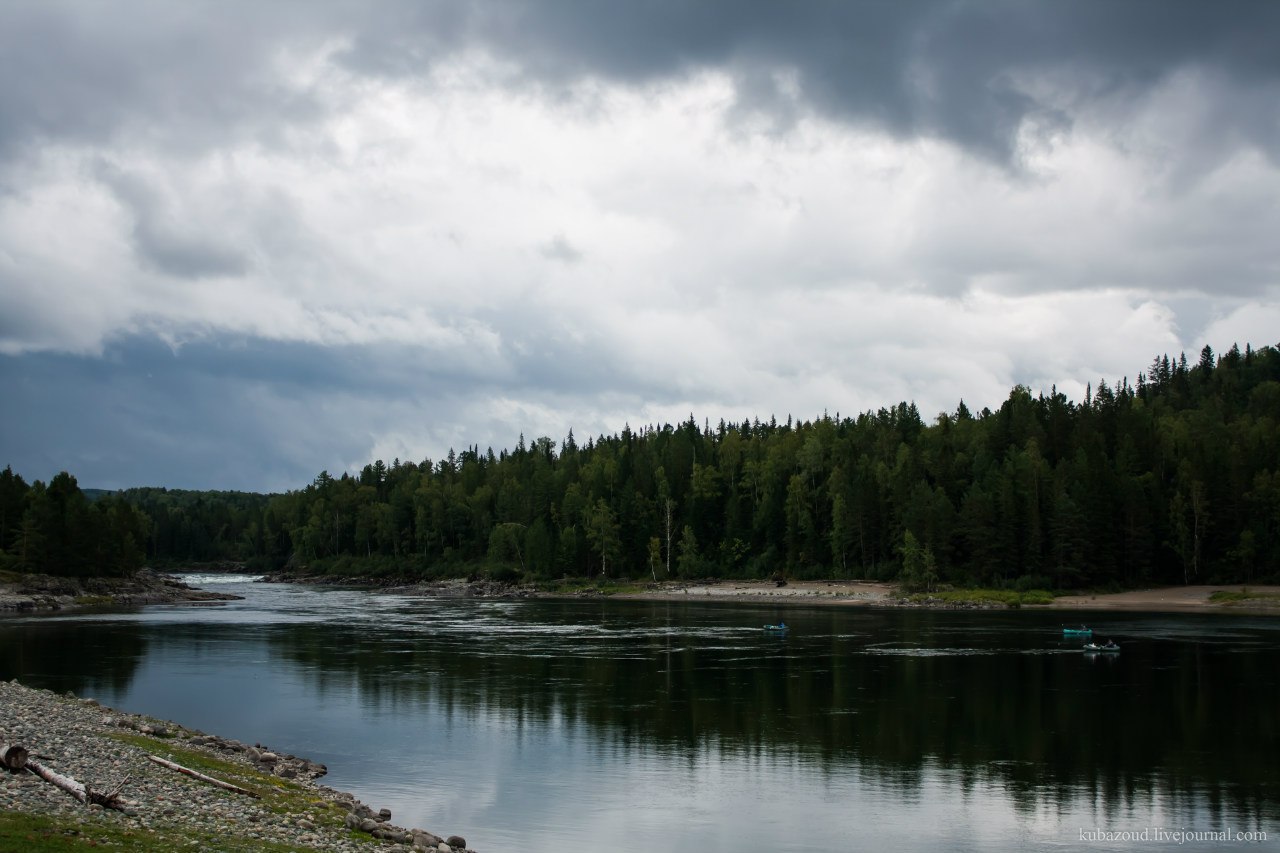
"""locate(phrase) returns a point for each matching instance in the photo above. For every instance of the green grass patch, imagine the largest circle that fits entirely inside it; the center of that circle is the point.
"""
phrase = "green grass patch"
(38, 833)
(273, 790)
(231, 771)
(1243, 596)
(989, 597)
(580, 586)
(621, 588)
(35, 833)
(278, 796)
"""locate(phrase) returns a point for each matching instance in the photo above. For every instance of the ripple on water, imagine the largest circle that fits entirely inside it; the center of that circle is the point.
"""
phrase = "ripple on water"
(931, 652)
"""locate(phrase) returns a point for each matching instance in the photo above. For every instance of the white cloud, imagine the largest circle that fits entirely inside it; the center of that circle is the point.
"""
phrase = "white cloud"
(1255, 322)
(603, 254)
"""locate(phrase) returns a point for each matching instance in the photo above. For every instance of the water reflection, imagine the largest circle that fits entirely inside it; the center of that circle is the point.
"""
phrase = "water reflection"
(585, 718)
(1015, 699)
(106, 657)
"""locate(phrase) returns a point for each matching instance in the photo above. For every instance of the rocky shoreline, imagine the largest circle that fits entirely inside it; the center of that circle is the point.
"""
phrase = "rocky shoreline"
(165, 810)
(449, 588)
(807, 593)
(32, 593)
(866, 593)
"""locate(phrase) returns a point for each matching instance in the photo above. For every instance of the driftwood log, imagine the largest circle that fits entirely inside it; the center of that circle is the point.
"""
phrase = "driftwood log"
(82, 792)
(13, 757)
(164, 762)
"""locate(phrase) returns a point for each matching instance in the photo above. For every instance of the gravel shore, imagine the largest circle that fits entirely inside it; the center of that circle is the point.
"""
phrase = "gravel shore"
(166, 810)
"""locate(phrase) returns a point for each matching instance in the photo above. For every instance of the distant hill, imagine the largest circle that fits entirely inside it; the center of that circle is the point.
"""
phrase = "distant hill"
(97, 494)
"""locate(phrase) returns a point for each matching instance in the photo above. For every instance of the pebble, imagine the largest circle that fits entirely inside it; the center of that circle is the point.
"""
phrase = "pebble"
(71, 736)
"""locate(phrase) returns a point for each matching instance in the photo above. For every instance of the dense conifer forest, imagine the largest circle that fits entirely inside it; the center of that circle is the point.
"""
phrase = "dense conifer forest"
(1172, 479)
(55, 529)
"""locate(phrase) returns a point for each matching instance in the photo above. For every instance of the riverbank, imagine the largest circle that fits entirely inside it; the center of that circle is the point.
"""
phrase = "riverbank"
(31, 593)
(165, 810)
(446, 588)
(1179, 599)
(846, 593)
(864, 593)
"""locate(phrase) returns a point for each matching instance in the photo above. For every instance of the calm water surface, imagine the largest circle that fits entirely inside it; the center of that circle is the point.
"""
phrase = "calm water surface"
(613, 725)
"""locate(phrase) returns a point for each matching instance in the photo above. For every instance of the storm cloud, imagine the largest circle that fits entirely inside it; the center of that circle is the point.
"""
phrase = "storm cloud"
(968, 72)
(302, 235)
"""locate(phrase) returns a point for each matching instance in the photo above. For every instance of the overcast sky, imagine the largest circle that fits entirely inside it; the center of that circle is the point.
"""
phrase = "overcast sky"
(242, 242)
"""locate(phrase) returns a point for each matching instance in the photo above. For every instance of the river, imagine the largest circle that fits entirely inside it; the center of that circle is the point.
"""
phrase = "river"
(544, 726)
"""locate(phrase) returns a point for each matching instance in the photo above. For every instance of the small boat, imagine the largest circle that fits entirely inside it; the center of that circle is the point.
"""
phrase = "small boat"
(1082, 631)
(779, 628)
(1108, 646)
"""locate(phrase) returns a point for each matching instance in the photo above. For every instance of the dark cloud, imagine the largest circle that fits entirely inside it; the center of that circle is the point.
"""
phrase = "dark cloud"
(179, 75)
(141, 416)
(168, 167)
(941, 67)
(196, 72)
(249, 414)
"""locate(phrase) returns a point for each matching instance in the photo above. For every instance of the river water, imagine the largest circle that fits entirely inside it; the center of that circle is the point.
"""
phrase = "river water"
(623, 725)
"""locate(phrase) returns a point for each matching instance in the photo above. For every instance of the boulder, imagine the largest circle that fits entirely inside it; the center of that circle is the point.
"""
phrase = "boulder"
(422, 838)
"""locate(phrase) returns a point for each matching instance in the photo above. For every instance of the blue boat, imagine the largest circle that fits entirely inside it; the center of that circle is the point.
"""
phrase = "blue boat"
(778, 629)
(1082, 631)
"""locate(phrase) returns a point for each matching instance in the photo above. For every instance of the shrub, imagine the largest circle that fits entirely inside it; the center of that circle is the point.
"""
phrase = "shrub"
(1029, 583)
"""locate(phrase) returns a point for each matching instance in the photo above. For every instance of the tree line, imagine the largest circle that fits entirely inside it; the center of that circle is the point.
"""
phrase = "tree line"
(1171, 479)
(56, 529)
(62, 529)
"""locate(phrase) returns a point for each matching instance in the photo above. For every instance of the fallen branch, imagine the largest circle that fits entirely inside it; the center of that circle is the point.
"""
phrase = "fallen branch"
(13, 757)
(82, 792)
(163, 762)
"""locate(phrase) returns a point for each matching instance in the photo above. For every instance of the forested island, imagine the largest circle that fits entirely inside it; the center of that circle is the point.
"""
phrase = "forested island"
(1173, 479)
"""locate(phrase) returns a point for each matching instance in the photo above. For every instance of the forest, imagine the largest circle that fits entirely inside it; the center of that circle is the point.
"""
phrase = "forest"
(56, 529)
(1171, 479)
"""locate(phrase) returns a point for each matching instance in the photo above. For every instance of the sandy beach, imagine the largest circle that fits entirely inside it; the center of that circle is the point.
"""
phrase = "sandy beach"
(796, 592)
(873, 594)
(1171, 599)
